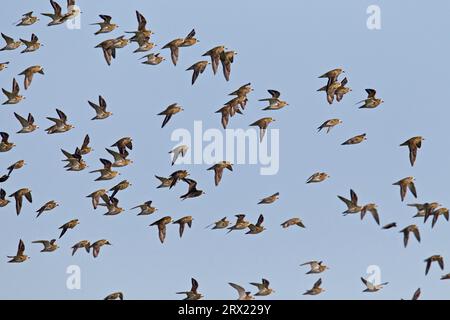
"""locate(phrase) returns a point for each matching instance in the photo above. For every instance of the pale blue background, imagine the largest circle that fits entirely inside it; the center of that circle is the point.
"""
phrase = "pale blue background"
(283, 45)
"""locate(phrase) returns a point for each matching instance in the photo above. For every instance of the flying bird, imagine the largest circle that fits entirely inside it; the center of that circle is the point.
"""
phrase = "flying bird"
(97, 245)
(192, 192)
(371, 287)
(263, 288)
(240, 224)
(413, 144)
(315, 267)
(225, 112)
(50, 205)
(105, 26)
(60, 125)
(174, 108)
(175, 45)
(424, 210)
(342, 90)
(72, 11)
(49, 246)
(20, 255)
(193, 293)
(405, 184)
(177, 176)
(262, 124)
(270, 199)
(75, 160)
(372, 208)
(257, 227)
(100, 109)
(29, 73)
(293, 222)
(123, 144)
(215, 54)
(56, 16)
(416, 294)
(114, 296)
(110, 46)
(316, 289)
(146, 208)
(27, 124)
(227, 58)
(389, 226)
(112, 204)
(352, 204)
(153, 59)
(165, 182)
(243, 295)
(317, 177)
(18, 196)
(27, 19)
(14, 96)
(86, 244)
(122, 185)
(435, 258)
(85, 148)
(197, 68)
(144, 45)
(274, 101)
(332, 75)
(68, 225)
(436, 213)
(16, 166)
(355, 140)
(120, 159)
(218, 170)
(31, 45)
(11, 44)
(161, 223)
(108, 49)
(243, 90)
(106, 173)
(371, 102)
(406, 231)
(220, 224)
(142, 33)
(329, 124)
(5, 144)
(180, 150)
(187, 220)
(96, 195)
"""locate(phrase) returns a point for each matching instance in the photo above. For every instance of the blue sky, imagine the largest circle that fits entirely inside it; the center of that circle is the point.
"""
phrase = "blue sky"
(284, 46)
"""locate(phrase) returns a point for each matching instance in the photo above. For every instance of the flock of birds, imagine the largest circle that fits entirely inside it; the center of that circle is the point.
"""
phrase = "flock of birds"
(334, 89)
